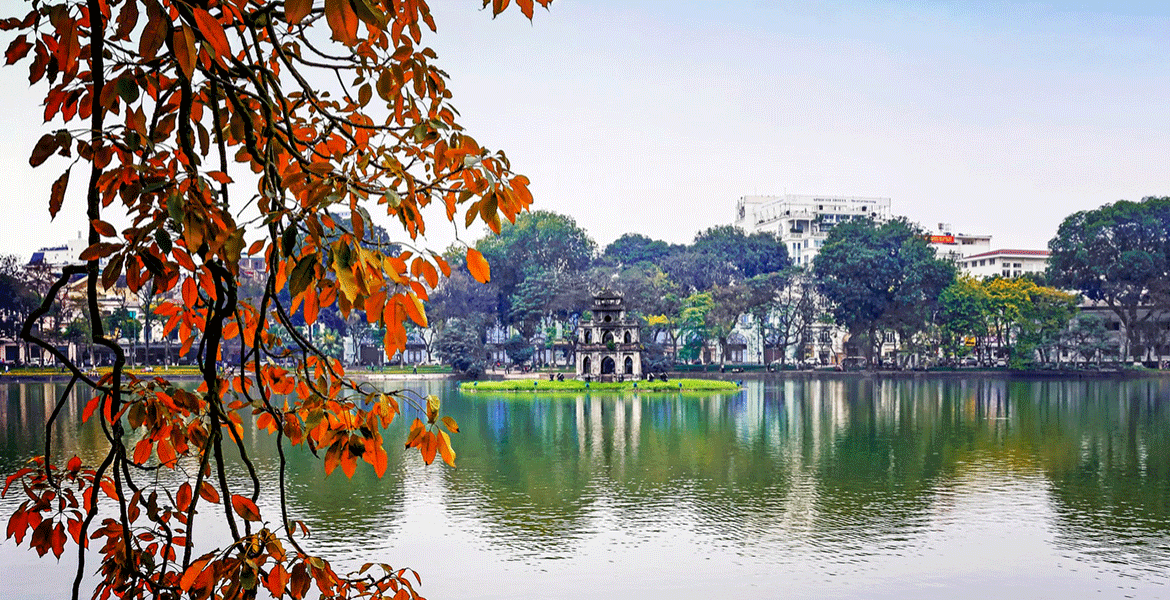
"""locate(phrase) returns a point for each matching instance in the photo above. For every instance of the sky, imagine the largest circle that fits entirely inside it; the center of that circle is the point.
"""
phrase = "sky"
(998, 118)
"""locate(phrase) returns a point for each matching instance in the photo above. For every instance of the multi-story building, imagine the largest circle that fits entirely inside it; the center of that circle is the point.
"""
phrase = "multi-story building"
(954, 246)
(803, 222)
(1005, 263)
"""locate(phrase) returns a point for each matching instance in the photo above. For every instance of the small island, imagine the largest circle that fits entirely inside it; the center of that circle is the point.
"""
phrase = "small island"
(575, 385)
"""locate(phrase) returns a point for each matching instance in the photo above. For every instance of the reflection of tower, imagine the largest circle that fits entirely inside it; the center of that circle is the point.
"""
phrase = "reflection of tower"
(608, 343)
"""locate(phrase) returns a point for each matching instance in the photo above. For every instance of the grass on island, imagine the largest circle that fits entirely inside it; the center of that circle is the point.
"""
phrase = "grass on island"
(543, 386)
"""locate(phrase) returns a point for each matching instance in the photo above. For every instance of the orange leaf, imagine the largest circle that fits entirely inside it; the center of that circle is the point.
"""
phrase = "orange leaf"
(342, 20)
(374, 304)
(415, 309)
(276, 579)
(142, 451)
(378, 459)
(166, 453)
(311, 306)
(429, 445)
(184, 48)
(208, 493)
(478, 266)
(445, 449)
(245, 508)
(213, 32)
(191, 573)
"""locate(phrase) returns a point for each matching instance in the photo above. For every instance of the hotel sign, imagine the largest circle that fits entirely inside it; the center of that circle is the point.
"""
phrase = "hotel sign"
(940, 239)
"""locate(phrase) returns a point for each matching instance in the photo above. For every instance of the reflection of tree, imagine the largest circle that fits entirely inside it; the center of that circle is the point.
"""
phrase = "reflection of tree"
(837, 459)
(1111, 483)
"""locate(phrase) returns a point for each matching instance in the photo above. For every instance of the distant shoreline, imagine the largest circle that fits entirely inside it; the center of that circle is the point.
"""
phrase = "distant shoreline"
(17, 377)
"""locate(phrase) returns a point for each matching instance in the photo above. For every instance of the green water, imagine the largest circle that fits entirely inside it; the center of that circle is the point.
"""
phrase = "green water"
(833, 488)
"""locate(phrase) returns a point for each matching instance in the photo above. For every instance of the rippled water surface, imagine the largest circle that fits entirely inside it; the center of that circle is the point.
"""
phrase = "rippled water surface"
(836, 488)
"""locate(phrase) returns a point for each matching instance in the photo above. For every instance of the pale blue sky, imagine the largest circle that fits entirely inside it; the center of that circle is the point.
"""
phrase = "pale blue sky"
(997, 117)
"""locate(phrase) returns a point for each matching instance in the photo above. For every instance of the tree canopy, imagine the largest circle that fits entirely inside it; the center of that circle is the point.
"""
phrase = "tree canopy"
(880, 276)
(1119, 255)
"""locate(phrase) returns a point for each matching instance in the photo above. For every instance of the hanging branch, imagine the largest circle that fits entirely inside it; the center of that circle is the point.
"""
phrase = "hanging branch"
(172, 104)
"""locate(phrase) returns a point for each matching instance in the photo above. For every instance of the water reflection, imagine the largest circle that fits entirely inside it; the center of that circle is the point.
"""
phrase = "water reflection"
(847, 487)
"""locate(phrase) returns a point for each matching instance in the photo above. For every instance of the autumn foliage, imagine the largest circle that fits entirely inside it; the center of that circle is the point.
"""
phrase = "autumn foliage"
(216, 130)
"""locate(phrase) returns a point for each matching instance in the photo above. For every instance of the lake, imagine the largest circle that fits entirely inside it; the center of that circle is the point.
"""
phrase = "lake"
(843, 487)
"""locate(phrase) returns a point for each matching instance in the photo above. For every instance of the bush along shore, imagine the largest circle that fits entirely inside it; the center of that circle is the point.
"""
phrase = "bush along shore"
(542, 386)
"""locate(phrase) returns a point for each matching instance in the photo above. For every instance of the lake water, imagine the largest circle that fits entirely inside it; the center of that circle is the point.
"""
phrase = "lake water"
(975, 487)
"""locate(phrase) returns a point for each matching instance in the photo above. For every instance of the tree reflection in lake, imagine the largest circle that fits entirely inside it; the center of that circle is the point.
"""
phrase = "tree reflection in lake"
(842, 487)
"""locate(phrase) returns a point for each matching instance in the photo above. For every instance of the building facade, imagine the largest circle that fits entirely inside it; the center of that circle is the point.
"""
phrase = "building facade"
(954, 246)
(802, 221)
(1004, 263)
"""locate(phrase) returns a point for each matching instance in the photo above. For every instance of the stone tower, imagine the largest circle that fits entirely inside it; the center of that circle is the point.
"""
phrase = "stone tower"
(608, 348)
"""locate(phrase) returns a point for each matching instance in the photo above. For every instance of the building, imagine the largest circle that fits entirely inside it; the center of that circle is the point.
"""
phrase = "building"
(953, 246)
(608, 345)
(803, 222)
(1004, 263)
(57, 257)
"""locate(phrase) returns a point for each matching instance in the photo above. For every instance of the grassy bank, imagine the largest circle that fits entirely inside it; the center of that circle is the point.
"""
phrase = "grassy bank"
(536, 385)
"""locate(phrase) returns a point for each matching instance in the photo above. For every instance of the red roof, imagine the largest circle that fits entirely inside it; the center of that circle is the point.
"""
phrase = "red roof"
(993, 253)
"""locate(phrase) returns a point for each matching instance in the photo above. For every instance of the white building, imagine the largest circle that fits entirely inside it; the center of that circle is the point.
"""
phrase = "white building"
(803, 222)
(954, 246)
(1005, 263)
(56, 257)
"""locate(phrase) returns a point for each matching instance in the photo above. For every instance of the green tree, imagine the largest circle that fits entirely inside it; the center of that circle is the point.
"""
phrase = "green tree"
(1087, 337)
(518, 349)
(634, 248)
(461, 345)
(880, 276)
(693, 325)
(749, 255)
(542, 245)
(727, 305)
(782, 306)
(964, 312)
(1118, 255)
(17, 298)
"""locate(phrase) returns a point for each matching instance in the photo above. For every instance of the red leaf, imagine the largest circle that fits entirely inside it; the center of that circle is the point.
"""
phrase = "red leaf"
(103, 228)
(127, 19)
(295, 10)
(57, 194)
(57, 540)
(245, 508)
(17, 49)
(183, 497)
(45, 148)
(142, 451)
(154, 33)
(166, 453)
(89, 408)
